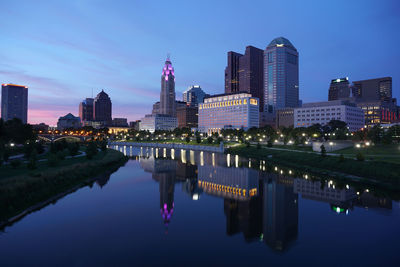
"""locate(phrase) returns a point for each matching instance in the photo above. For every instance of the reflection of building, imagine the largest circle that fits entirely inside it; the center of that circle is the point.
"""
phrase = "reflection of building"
(280, 211)
(239, 110)
(14, 102)
(369, 201)
(68, 121)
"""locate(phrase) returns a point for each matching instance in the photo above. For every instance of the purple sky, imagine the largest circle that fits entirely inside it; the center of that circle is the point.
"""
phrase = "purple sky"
(63, 49)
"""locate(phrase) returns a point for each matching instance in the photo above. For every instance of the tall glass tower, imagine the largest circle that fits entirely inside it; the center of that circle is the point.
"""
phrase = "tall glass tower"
(167, 95)
(281, 75)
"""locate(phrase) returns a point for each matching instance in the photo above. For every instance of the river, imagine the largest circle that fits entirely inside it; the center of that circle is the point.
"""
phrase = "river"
(196, 208)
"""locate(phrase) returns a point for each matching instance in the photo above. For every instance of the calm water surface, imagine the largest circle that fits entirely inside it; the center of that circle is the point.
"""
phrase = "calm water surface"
(197, 208)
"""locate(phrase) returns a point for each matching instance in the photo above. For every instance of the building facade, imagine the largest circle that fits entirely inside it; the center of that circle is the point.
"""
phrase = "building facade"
(102, 108)
(167, 95)
(339, 89)
(194, 95)
(120, 122)
(380, 112)
(14, 102)
(68, 121)
(323, 112)
(232, 73)
(86, 110)
(187, 116)
(285, 118)
(379, 89)
(281, 75)
(238, 111)
(156, 122)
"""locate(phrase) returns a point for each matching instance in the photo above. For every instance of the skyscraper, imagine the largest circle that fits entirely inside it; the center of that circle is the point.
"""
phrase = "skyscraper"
(86, 109)
(281, 75)
(251, 73)
(14, 102)
(102, 108)
(167, 95)
(339, 89)
(193, 95)
(232, 73)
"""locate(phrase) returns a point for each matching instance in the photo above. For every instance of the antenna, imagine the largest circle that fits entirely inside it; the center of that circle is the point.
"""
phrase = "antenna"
(168, 55)
(92, 92)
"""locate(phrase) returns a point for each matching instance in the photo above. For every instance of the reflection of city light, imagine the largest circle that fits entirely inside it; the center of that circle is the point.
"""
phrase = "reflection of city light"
(195, 197)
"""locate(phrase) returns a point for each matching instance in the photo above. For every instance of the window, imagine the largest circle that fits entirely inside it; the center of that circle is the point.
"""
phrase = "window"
(270, 57)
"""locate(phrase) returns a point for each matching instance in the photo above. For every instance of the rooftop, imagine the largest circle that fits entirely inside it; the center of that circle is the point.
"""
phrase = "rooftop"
(281, 41)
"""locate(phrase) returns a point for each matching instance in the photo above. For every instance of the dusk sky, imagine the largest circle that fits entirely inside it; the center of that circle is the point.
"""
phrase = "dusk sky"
(62, 50)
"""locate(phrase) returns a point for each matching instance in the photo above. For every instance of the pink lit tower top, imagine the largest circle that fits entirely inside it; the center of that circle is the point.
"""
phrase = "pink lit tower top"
(167, 95)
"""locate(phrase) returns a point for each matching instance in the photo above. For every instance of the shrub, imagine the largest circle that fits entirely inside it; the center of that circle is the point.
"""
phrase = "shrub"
(269, 143)
(360, 156)
(323, 151)
(52, 160)
(210, 140)
(198, 139)
(15, 163)
(187, 139)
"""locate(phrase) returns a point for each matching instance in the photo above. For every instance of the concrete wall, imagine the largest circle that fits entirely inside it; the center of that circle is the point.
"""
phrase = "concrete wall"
(217, 149)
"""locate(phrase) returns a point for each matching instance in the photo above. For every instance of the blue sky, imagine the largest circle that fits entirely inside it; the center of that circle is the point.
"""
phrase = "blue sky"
(63, 49)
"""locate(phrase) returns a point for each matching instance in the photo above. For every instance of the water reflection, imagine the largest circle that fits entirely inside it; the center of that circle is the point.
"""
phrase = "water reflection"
(260, 204)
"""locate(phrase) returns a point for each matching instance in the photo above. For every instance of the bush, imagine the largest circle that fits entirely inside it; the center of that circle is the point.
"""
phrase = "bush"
(210, 140)
(323, 151)
(198, 139)
(187, 139)
(15, 163)
(52, 160)
(360, 156)
(269, 143)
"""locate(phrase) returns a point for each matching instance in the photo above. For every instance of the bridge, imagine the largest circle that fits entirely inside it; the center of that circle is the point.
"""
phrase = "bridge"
(69, 138)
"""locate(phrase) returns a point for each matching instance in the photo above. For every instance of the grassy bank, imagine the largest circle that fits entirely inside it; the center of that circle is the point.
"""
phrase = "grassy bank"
(382, 172)
(21, 189)
(380, 152)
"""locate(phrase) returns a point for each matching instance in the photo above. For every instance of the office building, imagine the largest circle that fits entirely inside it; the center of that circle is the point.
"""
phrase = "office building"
(187, 116)
(339, 89)
(134, 125)
(281, 75)
(232, 73)
(194, 95)
(68, 121)
(285, 118)
(156, 122)
(86, 110)
(233, 111)
(120, 122)
(167, 95)
(379, 89)
(380, 112)
(323, 112)
(245, 73)
(102, 108)
(14, 102)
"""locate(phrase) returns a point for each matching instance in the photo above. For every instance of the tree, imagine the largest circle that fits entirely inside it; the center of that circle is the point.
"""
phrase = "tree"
(91, 150)
(323, 151)
(375, 133)
(187, 139)
(198, 139)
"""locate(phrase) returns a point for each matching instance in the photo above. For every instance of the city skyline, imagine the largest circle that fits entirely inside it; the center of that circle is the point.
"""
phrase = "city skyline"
(77, 51)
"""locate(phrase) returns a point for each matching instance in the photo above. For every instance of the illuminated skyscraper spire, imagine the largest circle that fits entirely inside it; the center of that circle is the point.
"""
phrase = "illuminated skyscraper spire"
(167, 95)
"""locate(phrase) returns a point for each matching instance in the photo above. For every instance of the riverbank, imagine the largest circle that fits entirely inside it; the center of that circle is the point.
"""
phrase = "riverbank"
(23, 193)
(385, 173)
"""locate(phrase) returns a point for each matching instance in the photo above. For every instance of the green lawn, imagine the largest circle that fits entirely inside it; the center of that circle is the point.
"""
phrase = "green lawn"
(294, 147)
(387, 153)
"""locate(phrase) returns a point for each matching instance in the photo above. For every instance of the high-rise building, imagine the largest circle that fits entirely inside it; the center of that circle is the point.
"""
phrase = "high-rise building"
(373, 89)
(251, 73)
(194, 95)
(245, 73)
(339, 89)
(167, 95)
(102, 108)
(14, 102)
(281, 75)
(232, 73)
(86, 109)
